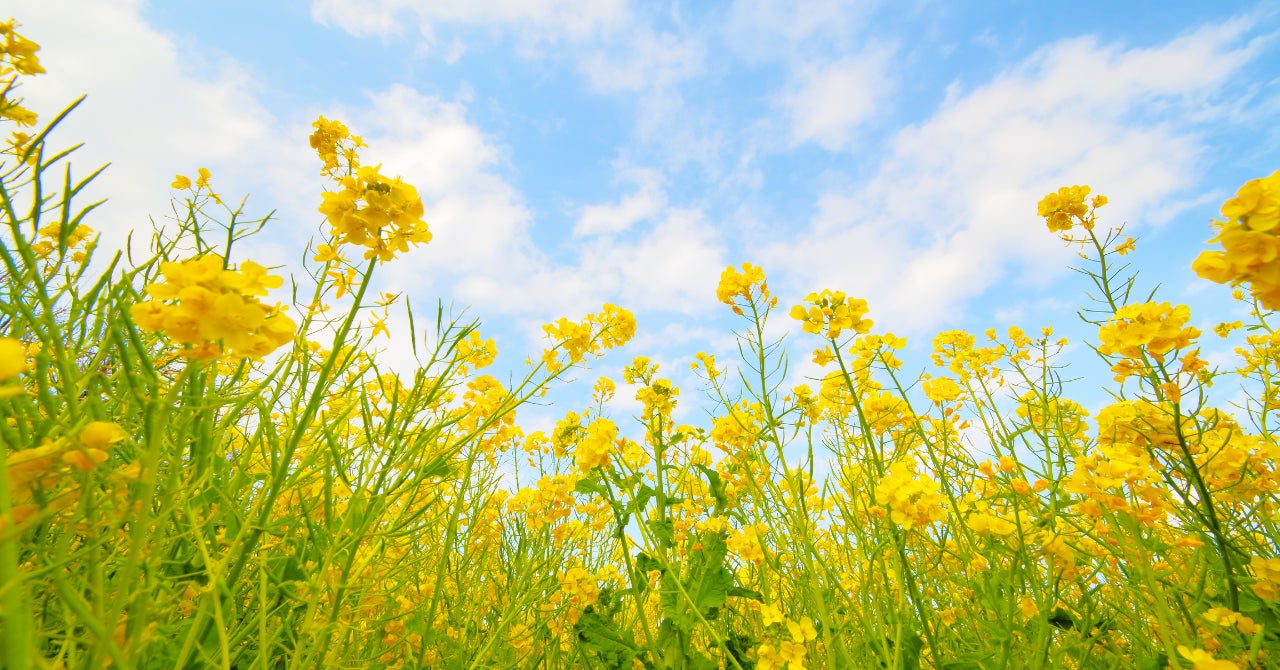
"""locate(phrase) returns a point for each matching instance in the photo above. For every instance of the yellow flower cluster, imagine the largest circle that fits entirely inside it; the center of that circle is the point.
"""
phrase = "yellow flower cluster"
(1120, 474)
(578, 591)
(1065, 207)
(80, 241)
(37, 476)
(335, 145)
(596, 445)
(13, 358)
(383, 215)
(745, 543)
(1250, 237)
(474, 352)
(746, 284)
(957, 351)
(612, 327)
(215, 312)
(788, 653)
(658, 399)
(369, 210)
(941, 390)
(988, 523)
(548, 501)
(1156, 328)
(17, 58)
(912, 499)
(830, 313)
(1266, 575)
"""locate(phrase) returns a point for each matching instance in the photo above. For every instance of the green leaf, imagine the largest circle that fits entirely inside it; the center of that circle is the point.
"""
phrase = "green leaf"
(664, 531)
(715, 484)
(698, 661)
(1160, 662)
(1249, 603)
(646, 563)
(740, 592)
(614, 647)
(1061, 618)
(592, 484)
(710, 592)
(643, 494)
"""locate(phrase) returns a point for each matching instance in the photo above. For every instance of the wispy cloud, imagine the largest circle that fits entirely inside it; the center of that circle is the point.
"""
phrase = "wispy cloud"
(529, 19)
(646, 202)
(150, 111)
(829, 101)
(950, 209)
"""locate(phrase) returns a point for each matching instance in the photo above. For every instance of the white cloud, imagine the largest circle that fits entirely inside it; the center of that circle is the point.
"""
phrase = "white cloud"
(670, 266)
(147, 112)
(645, 203)
(828, 102)
(953, 203)
(482, 251)
(758, 30)
(479, 223)
(531, 19)
(674, 268)
(648, 61)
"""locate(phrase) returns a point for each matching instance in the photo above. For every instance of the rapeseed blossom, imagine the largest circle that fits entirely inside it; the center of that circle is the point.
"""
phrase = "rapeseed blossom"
(912, 500)
(17, 59)
(13, 359)
(830, 313)
(746, 285)
(1066, 207)
(213, 311)
(370, 210)
(1250, 236)
(1153, 328)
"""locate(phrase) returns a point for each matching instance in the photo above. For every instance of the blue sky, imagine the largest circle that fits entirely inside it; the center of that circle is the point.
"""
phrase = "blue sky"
(572, 153)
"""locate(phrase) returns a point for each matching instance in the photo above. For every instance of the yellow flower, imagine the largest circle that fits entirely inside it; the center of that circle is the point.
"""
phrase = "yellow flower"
(101, 434)
(181, 183)
(912, 500)
(1172, 391)
(325, 254)
(1256, 204)
(941, 390)
(1266, 574)
(596, 445)
(989, 524)
(251, 279)
(734, 284)
(1028, 607)
(1157, 328)
(1203, 660)
(830, 313)
(13, 358)
(802, 632)
(1064, 208)
(214, 311)
(770, 615)
(95, 439)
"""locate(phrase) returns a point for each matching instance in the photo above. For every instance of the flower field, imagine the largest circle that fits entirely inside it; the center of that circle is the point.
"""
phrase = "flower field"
(203, 466)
